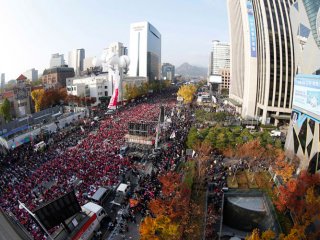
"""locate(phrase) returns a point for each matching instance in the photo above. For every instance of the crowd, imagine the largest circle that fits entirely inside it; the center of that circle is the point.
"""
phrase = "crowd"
(88, 153)
(173, 135)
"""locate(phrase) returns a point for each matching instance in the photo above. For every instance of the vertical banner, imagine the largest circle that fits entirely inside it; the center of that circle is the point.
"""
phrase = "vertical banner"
(252, 28)
(114, 99)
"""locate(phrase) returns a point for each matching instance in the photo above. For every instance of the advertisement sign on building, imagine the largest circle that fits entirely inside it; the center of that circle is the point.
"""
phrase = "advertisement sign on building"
(215, 79)
(252, 28)
(306, 97)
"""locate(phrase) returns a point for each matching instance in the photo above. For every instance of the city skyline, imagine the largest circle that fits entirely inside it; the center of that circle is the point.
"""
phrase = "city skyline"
(38, 30)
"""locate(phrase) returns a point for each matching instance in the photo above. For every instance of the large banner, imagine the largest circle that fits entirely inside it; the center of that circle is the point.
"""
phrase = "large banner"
(252, 28)
(306, 97)
(116, 81)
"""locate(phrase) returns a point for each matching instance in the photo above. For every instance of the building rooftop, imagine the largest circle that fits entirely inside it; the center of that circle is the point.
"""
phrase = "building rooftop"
(22, 77)
(57, 70)
(8, 94)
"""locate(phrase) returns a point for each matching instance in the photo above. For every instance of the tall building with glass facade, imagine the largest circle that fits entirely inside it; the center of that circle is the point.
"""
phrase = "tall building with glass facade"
(145, 51)
(57, 60)
(303, 135)
(262, 58)
(219, 57)
(168, 71)
(303, 14)
(313, 13)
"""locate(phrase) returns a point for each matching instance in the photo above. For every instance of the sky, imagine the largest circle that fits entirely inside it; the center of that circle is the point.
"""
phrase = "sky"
(32, 30)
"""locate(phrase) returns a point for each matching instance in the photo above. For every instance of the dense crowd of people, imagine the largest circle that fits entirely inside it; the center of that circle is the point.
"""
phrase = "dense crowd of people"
(173, 134)
(84, 157)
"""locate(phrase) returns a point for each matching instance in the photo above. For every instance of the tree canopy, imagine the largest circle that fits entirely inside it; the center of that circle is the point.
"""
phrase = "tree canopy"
(187, 92)
(5, 110)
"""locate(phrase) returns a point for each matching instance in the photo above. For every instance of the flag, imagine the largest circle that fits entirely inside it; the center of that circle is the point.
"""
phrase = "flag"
(116, 81)
(173, 135)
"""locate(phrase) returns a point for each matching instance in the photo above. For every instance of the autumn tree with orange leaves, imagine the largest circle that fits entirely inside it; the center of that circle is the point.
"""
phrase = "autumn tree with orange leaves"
(161, 227)
(282, 167)
(301, 196)
(172, 208)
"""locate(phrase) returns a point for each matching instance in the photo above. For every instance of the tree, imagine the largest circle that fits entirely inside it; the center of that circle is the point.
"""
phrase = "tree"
(38, 98)
(147, 229)
(54, 97)
(161, 228)
(187, 92)
(36, 82)
(170, 182)
(268, 235)
(255, 235)
(282, 167)
(192, 138)
(300, 195)
(5, 109)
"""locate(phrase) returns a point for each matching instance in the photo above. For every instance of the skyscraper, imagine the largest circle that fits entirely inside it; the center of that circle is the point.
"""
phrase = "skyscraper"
(75, 60)
(116, 48)
(168, 71)
(31, 74)
(3, 80)
(262, 58)
(145, 51)
(57, 60)
(305, 37)
(219, 57)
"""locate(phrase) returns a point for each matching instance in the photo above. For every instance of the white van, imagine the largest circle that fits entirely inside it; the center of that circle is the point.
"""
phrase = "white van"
(39, 146)
(123, 188)
(121, 192)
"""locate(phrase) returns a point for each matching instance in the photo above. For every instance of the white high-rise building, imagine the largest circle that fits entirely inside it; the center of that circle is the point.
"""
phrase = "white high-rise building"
(31, 74)
(75, 60)
(3, 80)
(57, 60)
(145, 51)
(262, 58)
(116, 48)
(219, 57)
(87, 63)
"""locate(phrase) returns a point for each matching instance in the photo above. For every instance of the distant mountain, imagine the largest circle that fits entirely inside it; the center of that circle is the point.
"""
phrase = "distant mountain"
(188, 70)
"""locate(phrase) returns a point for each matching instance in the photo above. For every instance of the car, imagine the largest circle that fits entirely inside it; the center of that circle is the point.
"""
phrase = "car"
(275, 133)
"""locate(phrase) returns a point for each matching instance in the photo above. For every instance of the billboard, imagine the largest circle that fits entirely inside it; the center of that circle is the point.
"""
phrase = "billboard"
(215, 79)
(57, 211)
(306, 96)
(252, 28)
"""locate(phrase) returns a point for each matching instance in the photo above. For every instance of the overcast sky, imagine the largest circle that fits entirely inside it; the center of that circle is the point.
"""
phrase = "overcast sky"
(31, 30)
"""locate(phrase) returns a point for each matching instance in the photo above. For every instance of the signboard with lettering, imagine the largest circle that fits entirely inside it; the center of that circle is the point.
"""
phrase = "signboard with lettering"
(179, 99)
(252, 28)
(306, 96)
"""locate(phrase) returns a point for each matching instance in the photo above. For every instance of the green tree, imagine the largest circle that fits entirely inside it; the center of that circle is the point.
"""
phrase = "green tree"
(5, 110)
(36, 82)
(192, 138)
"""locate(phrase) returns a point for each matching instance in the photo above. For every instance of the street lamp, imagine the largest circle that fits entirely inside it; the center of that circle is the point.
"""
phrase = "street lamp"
(22, 206)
